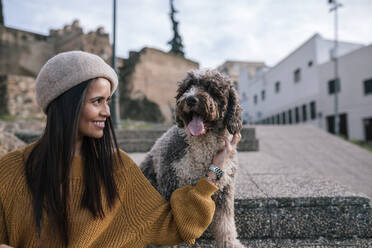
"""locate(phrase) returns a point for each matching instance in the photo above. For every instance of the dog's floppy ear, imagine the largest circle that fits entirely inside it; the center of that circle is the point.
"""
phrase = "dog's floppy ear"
(233, 116)
(179, 122)
(183, 86)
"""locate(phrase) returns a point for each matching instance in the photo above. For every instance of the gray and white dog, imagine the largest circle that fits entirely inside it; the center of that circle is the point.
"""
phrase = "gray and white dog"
(207, 108)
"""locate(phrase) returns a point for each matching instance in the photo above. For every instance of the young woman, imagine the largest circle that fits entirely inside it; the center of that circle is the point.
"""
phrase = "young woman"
(74, 187)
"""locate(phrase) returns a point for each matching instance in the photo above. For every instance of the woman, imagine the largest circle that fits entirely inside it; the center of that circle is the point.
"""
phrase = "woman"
(74, 187)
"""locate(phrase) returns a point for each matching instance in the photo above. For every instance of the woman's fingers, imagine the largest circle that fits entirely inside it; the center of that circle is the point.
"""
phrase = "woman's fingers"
(226, 149)
(5, 246)
(235, 140)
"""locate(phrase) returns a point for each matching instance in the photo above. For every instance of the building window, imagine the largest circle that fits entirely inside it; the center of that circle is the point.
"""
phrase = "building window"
(283, 118)
(244, 97)
(272, 119)
(290, 116)
(332, 86)
(310, 63)
(368, 86)
(297, 115)
(277, 87)
(297, 75)
(255, 99)
(304, 113)
(277, 119)
(263, 95)
(312, 110)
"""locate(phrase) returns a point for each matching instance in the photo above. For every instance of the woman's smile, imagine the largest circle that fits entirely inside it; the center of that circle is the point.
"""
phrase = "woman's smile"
(95, 109)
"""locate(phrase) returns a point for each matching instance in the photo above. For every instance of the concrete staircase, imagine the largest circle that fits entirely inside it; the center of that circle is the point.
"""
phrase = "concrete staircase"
(298, 211)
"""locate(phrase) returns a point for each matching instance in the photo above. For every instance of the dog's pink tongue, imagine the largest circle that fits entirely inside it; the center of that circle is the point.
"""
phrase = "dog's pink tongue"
(196, 126)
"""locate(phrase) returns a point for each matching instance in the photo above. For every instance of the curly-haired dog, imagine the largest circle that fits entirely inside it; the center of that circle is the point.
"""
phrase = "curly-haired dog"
(207, 107)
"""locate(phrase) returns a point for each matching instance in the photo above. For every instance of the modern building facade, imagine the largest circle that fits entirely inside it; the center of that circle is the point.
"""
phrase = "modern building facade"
(355, 94)
(296, 90)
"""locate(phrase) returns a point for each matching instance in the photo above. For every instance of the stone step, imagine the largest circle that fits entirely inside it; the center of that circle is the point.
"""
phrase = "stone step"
(140, 134)
(290, 243)
(298, 206)
(27, 137)
(248, 145)
(136, 145)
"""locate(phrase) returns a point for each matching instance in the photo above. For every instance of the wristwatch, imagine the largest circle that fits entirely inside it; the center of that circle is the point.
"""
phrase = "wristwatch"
(219, 173)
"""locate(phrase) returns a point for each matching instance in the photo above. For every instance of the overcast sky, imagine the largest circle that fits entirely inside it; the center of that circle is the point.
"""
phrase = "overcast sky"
(213, 31)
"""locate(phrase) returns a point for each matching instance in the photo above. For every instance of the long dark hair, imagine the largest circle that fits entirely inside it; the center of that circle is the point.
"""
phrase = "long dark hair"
(48, 165)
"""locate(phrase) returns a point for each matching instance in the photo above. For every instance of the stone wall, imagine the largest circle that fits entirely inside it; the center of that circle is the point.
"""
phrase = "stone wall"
(155, 75)
(22, 52)
(18, 97)
(72, 37)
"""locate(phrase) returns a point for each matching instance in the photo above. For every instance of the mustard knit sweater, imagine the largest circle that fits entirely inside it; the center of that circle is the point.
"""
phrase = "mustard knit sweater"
(140, 217)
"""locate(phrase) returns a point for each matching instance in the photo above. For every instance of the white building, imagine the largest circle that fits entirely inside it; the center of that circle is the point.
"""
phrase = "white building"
(355, 94)
(295, 90)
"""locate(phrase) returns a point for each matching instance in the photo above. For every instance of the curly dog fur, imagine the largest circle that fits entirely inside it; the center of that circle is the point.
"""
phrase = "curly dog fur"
(207, 108)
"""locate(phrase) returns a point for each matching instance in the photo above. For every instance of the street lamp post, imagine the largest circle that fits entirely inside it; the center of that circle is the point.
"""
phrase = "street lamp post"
(334, 7)
(115, 114)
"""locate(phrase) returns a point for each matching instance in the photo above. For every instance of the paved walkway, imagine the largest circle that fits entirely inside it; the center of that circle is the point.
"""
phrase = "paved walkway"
(290, 151)
(309, 149)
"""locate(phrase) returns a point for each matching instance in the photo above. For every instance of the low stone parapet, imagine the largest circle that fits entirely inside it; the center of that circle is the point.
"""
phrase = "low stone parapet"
(143, 140)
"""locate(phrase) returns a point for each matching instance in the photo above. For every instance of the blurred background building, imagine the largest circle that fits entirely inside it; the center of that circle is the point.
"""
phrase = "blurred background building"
(300, 88)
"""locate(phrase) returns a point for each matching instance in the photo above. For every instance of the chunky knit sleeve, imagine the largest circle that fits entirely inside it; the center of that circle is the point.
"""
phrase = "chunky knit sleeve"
(3, 234)
(184, 219)
(191, 211)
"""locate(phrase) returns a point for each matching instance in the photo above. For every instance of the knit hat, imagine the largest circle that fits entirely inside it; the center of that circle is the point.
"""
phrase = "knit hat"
(68, 69)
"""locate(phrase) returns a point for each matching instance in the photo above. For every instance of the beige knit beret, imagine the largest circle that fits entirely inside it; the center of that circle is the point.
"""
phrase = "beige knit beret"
(68, 69)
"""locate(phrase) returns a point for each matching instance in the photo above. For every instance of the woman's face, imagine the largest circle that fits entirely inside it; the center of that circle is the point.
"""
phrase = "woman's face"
(95, 109)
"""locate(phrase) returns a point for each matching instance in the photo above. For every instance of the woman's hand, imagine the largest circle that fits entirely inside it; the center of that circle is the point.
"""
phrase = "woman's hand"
(226, 151)
(5, 246)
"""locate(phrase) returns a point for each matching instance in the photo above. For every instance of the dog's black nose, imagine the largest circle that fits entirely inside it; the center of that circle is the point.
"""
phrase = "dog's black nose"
(191, 100)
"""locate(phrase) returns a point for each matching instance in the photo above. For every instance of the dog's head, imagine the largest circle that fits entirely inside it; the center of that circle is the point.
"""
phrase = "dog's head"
(207, 101)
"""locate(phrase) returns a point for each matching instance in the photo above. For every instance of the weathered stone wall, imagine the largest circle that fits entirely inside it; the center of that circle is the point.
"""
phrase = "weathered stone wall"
(72, 37)
(18, 97)
(23, 52)
(155, 77)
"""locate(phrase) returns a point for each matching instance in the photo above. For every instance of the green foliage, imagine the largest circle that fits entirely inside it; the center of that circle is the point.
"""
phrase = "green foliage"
(141, 125)
(7, 117)
(363, 144)
(1, 13)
